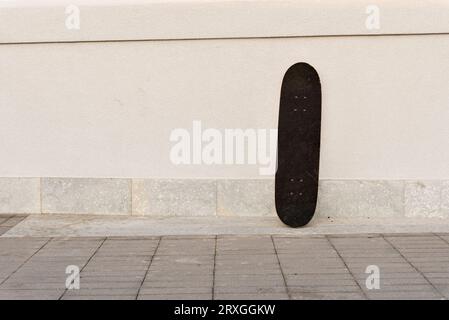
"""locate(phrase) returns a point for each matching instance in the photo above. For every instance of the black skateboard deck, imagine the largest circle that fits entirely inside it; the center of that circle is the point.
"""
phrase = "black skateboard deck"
(299, 133)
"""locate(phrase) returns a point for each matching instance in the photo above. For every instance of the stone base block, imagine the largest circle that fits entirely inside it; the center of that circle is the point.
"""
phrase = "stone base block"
(219, 197)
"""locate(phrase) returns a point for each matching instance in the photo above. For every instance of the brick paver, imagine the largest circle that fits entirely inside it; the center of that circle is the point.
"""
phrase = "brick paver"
(411, 266)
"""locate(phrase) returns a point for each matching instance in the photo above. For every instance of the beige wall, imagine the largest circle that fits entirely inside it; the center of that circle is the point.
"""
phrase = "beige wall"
(107, 109)
(44, 20)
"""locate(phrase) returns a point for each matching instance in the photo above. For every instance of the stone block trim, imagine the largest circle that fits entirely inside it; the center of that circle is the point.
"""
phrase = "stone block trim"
(86, 196)
(245, 197)
(173, 197)
(20, 195)
(219, 197)
(361, 199)
(423, 199)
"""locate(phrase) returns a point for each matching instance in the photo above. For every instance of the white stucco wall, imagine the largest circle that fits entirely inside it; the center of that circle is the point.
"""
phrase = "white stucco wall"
(44, 20)
(103, 100)
(106, 109)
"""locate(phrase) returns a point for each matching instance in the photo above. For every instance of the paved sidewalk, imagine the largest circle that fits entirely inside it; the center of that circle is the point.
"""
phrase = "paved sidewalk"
(412, 266)
(9, 221)
(63, 225)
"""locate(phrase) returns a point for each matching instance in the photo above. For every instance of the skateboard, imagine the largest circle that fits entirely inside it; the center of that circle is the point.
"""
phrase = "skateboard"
(299, 133)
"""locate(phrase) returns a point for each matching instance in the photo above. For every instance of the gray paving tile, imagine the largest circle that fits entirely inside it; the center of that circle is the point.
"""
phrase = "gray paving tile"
(374, 260)
(30, 294)
(398, 282)
(317, 281)
(112, 247)
(405, 234)
(262, 280)
(251, 296)
(383, 268)
(102, 292)
(443, 289)
(313, 288)
(182, 283)
(444, 236)
(72, 243)
(327, 296)
(170, 290)
(139, 237)
(302, 270)
(237, 258)
(243, 267)
(245, 245)
(90, 285)
(179, 296)
(117, 268)
(108, 297)
(439, 281)
(34, 284)
(186, 247)
(250, 290)
(102, 278)
(162, 276)
(267, 272)
(386, 288)
(3, 230)
(401, 295)
(427, 269)
(189, 237)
